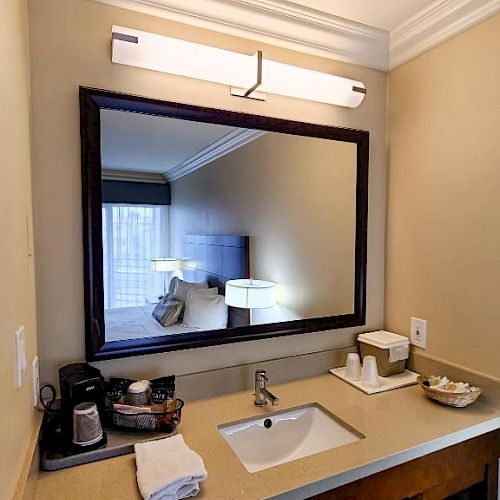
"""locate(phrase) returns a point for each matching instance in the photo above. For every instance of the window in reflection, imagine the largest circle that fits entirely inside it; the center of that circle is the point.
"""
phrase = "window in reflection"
(132, 236)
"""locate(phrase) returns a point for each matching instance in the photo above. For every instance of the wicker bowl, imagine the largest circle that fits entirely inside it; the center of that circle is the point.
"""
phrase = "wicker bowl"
(458, 400)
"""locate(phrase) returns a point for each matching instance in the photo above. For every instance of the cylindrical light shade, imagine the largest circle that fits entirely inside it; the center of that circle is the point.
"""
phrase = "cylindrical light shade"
(250, 294)
(164, 264)
(203, 62)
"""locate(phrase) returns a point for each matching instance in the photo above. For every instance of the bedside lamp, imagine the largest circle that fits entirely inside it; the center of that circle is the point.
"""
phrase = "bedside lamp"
(250, 294)
(164, 265)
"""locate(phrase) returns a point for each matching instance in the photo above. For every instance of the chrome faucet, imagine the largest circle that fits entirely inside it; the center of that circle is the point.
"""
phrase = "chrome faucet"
(262, 395)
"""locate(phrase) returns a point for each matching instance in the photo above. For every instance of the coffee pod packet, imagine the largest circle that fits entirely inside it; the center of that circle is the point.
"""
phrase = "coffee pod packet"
(116, 388)
(163, 391)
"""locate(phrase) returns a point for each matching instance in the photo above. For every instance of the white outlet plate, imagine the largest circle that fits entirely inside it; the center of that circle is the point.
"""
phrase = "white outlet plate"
(35, 373)
(418, 332)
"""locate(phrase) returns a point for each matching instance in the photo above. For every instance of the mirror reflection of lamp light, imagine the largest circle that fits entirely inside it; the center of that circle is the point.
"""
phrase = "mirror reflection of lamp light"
(250, 294)
(165, 265)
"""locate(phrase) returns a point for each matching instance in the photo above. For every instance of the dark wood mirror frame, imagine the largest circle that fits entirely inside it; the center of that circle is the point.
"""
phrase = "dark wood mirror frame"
(91, 102)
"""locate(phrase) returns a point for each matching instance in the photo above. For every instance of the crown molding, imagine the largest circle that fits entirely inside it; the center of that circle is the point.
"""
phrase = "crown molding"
(231, 141)
(435, 24)
(291, 26)
(277, 22)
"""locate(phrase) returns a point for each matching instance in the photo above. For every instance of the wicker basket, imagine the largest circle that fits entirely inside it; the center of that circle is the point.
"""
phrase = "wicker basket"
(166, 421)
(458, 400)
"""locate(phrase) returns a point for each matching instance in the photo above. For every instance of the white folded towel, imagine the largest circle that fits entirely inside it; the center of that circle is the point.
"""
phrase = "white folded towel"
(168, 469)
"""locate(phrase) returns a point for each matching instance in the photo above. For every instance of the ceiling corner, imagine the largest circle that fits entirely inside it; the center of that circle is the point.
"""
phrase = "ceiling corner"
(435, 24)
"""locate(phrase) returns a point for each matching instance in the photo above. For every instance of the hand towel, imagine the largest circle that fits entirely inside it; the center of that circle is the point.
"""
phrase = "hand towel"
(168, 469)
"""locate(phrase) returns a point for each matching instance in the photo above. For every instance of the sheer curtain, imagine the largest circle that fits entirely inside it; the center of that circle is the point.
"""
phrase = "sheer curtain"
(131, 236)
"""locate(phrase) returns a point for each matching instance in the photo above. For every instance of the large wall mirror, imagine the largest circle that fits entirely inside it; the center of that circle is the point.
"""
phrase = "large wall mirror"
(204, 226)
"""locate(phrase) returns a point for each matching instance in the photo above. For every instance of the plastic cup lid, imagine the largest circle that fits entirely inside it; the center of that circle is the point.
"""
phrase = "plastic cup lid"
(383, 339)
(138, 387)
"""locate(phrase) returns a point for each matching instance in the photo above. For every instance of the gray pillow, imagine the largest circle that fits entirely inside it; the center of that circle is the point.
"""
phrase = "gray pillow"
(180, 288)
(168, 310)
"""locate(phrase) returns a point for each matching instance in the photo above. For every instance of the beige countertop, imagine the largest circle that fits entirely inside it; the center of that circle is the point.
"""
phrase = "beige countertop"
(399, 426)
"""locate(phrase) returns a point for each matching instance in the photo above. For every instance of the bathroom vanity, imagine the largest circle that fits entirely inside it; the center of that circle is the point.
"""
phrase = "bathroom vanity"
(471, 465)
(407, 447)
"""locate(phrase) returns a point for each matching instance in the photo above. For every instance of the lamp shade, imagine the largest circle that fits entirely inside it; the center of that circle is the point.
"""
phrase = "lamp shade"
(250, 293)
(164, 264)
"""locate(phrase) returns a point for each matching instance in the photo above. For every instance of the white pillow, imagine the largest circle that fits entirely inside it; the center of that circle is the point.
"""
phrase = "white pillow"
(205, 309)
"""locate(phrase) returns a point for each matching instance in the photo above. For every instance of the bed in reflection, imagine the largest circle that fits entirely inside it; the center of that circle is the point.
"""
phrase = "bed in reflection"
(137, 322)
(195, 301)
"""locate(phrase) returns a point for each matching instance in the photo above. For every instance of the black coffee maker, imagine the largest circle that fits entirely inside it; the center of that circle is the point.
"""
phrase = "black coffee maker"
(80, 383)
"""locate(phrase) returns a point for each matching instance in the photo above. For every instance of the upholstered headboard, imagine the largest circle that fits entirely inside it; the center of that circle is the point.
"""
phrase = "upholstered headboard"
(217, 259)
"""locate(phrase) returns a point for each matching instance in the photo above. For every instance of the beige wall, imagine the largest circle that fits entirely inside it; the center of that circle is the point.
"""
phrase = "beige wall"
(17, 282)
(294, 197)
(443, 238)
(70, 46)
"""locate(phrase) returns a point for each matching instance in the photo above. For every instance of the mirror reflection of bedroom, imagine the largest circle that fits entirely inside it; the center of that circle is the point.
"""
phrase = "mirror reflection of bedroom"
(208, 227)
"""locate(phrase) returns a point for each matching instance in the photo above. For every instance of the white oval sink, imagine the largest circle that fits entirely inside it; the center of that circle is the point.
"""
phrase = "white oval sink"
(283, 436)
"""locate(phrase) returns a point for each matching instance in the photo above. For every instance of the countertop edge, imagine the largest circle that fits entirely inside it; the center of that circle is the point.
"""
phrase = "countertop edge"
(388, 462)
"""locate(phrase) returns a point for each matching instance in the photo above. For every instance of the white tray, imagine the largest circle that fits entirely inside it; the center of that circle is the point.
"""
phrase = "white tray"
(386, 383)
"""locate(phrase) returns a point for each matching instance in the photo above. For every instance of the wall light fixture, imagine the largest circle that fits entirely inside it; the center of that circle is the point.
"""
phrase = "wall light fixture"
(247, 75)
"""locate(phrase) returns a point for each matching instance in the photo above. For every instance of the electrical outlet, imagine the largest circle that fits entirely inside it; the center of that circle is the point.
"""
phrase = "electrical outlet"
(418, 332)
(35, 373)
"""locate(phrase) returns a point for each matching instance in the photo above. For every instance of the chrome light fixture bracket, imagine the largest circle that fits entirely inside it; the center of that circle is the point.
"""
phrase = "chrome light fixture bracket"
(252, 92)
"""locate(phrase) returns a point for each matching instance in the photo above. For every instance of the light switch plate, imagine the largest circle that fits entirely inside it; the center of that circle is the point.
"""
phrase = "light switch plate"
(418, 332)
(35, 373)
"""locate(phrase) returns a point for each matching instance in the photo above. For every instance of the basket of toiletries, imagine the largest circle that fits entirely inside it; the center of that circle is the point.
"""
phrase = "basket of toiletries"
(448, 393)
(390, 350)
(144, 405)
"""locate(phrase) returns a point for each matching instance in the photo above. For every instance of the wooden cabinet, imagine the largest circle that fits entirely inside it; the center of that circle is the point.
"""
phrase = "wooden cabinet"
(471, 465)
